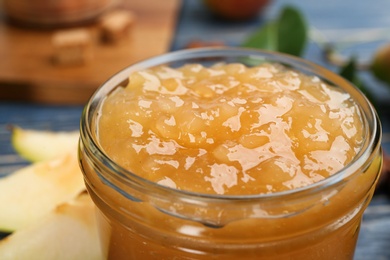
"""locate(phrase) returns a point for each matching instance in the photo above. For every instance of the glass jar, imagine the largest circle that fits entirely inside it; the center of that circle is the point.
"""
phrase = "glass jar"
(140, 219)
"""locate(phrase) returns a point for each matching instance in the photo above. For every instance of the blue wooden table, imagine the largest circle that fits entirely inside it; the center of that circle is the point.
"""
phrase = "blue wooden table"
(357, 27)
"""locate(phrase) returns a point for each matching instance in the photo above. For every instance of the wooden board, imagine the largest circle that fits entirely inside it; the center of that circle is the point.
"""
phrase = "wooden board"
(28, 73)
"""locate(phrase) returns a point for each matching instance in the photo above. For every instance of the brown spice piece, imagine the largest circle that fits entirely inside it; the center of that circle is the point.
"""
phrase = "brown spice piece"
(115, 25)
(72, 47)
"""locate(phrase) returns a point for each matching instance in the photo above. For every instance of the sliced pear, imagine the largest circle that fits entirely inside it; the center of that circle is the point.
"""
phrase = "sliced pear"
(33, 191)
(68, 232)
(36, 145)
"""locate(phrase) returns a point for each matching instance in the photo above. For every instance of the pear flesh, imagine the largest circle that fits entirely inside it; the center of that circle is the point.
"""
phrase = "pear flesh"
(45, 204)
(36, 145)
(68, 232)
(33, 191)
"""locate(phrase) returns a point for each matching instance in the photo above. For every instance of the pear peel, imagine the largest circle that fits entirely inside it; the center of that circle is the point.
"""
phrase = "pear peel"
(381, 64)
(36, 145)
(67, 232)
(31, 192)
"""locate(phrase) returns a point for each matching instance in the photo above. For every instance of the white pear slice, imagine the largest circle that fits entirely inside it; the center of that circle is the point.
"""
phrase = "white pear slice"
(36, 145)
(33, 191)
(68, 232)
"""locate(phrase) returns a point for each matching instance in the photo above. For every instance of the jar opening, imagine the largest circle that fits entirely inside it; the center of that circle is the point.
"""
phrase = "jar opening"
(89, 131)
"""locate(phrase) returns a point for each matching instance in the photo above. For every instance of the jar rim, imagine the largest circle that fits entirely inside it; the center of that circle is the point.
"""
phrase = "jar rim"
(369, 116)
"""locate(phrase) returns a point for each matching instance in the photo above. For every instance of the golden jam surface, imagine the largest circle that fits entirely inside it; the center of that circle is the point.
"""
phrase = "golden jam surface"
(230, 129)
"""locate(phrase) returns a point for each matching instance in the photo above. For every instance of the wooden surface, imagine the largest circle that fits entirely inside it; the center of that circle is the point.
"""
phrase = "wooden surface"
(28, 73)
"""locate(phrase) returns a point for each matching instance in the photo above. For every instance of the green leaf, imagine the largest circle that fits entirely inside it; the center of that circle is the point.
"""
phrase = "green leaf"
(292, 32)
(265, 38)
(350, 72)
(288, 33)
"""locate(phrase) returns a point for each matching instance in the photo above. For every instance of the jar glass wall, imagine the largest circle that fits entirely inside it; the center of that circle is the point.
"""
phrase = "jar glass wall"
(140, 219)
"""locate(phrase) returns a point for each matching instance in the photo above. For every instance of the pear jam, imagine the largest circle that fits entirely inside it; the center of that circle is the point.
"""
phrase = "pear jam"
(230, 162)
(230, 129)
